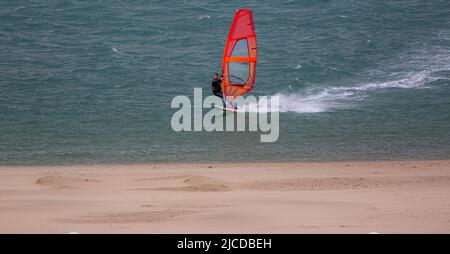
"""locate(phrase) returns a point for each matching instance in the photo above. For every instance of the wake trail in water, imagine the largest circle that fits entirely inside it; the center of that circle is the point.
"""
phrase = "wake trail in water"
(423, 69)
(323, 99)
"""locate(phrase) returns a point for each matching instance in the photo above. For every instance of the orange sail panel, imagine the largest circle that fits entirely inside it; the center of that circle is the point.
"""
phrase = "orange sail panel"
(240, 57)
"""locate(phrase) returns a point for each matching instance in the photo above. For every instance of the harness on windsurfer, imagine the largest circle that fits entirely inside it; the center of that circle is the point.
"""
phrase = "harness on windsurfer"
(216, 85)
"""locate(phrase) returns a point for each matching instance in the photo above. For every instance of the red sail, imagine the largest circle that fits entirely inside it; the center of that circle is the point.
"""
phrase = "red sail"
(240, 57)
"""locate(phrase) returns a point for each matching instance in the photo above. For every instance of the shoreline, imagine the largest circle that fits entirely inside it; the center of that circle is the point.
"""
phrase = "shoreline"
(286, 197)
(146, 164)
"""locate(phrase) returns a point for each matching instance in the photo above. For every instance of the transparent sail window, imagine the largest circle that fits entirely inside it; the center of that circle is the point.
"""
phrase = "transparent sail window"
(241, 48)
(238, 72)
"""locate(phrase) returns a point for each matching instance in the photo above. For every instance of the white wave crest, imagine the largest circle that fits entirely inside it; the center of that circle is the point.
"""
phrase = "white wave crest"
(204, 17)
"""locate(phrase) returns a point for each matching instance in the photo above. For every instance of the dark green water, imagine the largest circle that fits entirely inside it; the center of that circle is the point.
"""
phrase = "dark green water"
(92, 81)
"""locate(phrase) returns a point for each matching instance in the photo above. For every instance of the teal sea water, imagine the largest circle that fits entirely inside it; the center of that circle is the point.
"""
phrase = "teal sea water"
(92, 81)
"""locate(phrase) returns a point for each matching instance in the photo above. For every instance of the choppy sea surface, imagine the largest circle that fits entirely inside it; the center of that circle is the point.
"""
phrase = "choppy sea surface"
(92, 81)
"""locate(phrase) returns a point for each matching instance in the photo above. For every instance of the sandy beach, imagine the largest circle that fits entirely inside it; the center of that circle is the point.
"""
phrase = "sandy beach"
(383, 197)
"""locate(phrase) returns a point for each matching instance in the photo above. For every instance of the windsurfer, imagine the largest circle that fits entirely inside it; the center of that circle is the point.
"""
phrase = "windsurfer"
(216, 85)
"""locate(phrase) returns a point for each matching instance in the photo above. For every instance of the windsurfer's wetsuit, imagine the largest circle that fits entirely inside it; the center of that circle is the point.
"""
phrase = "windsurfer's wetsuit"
(216, 86)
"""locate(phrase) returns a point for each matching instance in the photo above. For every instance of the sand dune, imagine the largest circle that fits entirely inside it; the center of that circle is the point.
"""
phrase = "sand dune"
(191, 183)
(360, 197)
(62, 181)
(342, 183)
(206, 184)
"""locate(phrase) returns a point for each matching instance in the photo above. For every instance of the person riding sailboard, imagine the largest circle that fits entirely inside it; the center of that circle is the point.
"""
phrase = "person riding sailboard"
(216, 85)
(239, 60)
